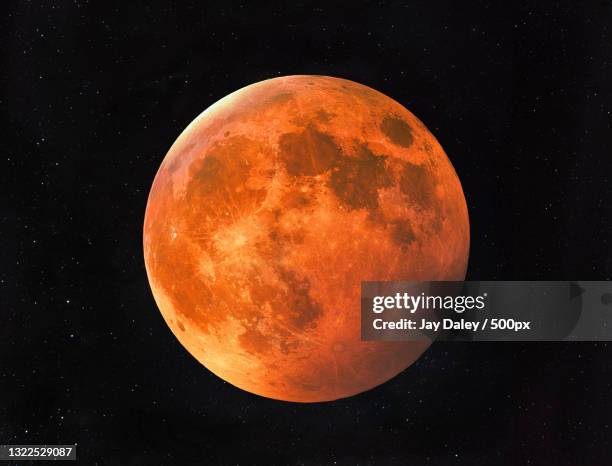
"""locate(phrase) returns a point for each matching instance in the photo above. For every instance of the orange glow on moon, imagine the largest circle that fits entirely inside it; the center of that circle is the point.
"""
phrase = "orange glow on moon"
(268, 212)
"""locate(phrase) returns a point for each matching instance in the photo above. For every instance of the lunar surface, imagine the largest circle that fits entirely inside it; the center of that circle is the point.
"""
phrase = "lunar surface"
(270, 209)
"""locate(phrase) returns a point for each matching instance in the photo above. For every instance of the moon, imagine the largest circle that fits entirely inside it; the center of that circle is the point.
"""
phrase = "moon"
(268, 212)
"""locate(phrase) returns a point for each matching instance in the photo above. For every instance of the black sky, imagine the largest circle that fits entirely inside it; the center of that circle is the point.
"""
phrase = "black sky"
(94, 94)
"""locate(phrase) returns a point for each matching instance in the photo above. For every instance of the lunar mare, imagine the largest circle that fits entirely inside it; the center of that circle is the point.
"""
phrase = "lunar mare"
(270, 209)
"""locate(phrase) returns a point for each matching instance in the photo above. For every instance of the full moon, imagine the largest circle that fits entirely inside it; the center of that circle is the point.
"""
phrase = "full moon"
(268, 212)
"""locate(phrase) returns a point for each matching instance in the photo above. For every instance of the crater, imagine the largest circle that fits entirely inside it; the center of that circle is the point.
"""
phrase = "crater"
(402, 233)
(323, 116)
(397, 130)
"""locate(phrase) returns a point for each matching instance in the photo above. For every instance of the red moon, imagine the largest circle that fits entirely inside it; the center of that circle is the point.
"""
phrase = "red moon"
(270, 209)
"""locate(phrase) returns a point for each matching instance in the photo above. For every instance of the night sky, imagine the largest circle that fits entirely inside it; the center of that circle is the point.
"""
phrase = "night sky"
(94, 94)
